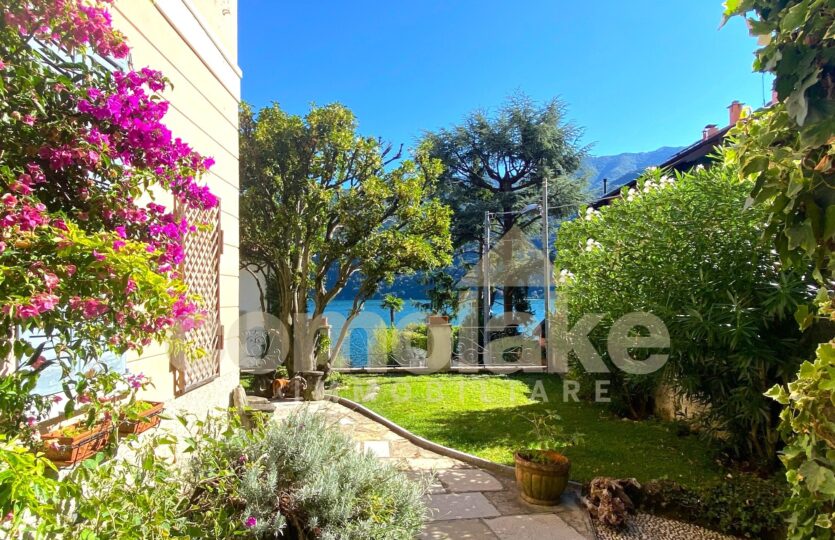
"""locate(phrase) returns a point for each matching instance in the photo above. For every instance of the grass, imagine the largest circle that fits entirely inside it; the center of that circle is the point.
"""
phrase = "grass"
(480, 414)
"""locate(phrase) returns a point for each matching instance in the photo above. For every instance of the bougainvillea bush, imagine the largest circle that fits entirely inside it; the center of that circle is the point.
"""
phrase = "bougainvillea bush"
(87, 257)
(686, 249)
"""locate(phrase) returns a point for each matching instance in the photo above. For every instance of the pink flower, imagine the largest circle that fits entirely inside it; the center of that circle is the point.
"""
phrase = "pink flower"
(84, 398)
(51, 280)
(120, 230)
(187, 325)
(29, 120)
(45, 301)
(37, 174)
(27, 311)
(251, 522)
(118, 245)
(31, 421)
(136, 381)
(21, 187)
(40, 361)
(130, 286)
(59, 224)
(9, 200)
(93, 308)
(70, 269)
(2, 65)
(57, 399)
(2, 247)
(98, 256)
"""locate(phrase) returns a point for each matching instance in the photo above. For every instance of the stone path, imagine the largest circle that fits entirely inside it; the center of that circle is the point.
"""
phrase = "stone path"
(465, 502)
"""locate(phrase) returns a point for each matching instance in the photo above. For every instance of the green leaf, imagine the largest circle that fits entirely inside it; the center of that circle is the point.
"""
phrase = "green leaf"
(795, 17)
(829, 223)
(817, 478)
(779, 394)
(803, 316)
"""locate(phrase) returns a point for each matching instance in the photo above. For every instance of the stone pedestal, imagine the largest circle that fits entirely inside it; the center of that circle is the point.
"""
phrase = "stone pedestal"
(439, 340)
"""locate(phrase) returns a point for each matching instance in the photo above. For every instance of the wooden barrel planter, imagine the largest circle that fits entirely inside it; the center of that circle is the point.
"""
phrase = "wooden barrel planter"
(149, 412)
(542, 476)
(72, 444)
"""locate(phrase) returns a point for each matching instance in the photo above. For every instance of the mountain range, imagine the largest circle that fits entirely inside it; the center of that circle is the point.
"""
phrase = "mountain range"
(621, 168)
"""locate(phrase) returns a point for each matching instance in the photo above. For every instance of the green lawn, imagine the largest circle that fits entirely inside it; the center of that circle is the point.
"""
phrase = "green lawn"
(479, 414)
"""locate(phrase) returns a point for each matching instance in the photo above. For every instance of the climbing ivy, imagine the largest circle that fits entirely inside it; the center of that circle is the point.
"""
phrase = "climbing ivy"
(789, 151)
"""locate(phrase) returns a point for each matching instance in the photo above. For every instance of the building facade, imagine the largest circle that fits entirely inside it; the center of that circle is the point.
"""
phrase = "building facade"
(194, 43)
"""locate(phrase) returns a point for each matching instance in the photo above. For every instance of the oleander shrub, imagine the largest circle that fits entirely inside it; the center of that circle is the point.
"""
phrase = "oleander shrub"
(690, 251)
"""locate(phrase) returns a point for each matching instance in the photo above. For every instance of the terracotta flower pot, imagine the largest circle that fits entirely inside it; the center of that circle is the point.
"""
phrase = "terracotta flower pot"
(149, 419)
(70, 445)
(542, 476)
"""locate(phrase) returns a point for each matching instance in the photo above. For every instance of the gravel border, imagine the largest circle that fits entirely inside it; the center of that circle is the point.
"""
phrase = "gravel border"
(649, 527)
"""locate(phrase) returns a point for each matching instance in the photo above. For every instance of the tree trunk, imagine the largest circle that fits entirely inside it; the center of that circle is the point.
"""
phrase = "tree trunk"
(355, 309)
(507, 260)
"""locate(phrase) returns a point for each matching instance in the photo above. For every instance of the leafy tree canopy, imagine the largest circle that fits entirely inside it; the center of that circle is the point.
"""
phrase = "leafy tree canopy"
(321, 203)
(498, 163)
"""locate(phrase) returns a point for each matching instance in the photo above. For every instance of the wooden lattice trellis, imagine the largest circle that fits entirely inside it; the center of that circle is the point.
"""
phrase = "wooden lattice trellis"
(201, 272)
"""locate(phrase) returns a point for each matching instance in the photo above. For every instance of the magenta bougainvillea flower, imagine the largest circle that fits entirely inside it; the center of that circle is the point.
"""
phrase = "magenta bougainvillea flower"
(89, 252)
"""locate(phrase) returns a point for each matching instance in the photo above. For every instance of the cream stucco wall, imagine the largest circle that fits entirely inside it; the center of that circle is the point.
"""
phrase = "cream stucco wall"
(194, 43)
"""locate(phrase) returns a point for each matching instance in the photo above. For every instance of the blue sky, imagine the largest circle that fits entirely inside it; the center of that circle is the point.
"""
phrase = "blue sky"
(636, 74)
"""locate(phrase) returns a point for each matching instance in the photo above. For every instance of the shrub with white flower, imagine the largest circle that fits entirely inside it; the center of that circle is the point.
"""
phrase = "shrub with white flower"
(686, 248)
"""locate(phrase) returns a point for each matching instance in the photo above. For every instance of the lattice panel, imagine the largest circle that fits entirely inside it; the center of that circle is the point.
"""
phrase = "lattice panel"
(201, 272)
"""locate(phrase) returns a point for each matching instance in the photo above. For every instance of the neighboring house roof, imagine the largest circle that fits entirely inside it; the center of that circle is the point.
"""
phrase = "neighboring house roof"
(698, 153)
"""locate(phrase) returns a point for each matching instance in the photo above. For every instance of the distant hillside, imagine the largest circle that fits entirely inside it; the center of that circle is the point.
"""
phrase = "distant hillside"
(621, 168)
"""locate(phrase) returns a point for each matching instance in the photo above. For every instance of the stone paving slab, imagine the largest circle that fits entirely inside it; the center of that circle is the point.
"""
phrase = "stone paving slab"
(379, 448)
(445, 506)
(461, 529)
(532, 527)
(465, 502)
(434, 487)
(436, 464)
(463, 480)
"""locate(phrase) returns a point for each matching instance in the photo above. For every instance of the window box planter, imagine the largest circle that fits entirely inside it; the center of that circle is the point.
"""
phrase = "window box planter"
(149, 412)
(72, 444)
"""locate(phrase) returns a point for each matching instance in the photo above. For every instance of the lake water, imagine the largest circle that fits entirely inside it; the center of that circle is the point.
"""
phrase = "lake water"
(355, 347)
